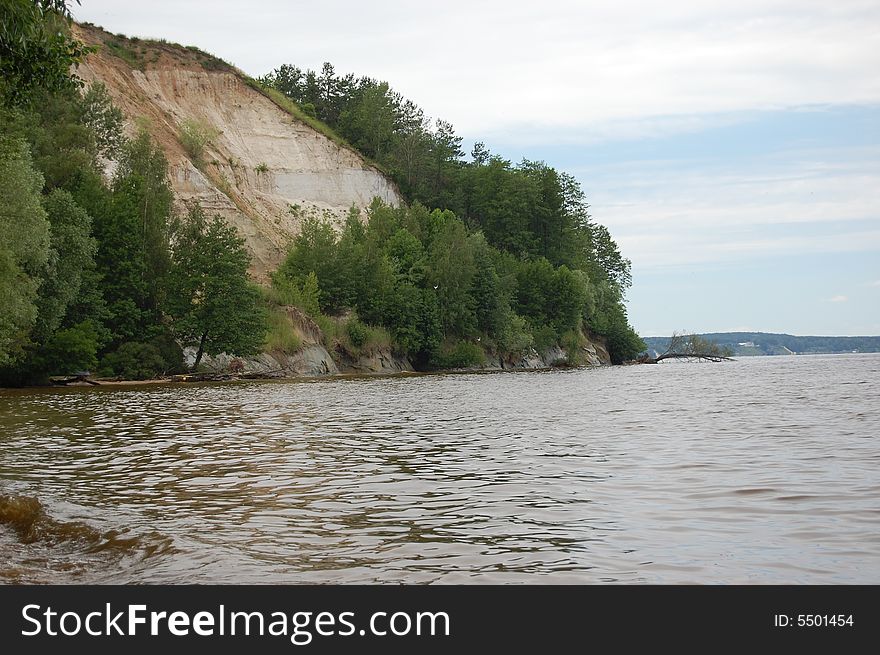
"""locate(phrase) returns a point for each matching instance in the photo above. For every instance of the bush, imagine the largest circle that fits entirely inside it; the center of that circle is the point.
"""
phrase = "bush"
(463, 354)
(288, 291)
(357, 337)
(171, 353)
(134, 361)
(329, 328)
(195, 136)
(358, 333)
(70, 350)
(544, 338)
(514, 336)
(572, 342)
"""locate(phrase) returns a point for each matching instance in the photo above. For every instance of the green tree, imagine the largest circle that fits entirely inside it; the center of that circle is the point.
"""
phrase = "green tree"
(131, 225)
(210, 300)
(451, 271)
(71, 257)
(315, 251)
(36, 50)
(24, 246)
(369, 121)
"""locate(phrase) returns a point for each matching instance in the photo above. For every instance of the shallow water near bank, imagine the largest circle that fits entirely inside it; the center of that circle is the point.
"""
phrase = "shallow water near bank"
(761, 470)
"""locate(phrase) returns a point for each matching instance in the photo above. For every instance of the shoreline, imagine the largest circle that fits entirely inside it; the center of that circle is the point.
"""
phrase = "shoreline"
(220, 378)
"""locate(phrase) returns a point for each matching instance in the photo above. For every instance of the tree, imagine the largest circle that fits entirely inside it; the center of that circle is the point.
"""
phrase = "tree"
(71, 256)
(24, 246)
(131, 225)
(210, 299)
(693, 346)
(451, 270)
(369, 122)
(315, 251)
(36, 51)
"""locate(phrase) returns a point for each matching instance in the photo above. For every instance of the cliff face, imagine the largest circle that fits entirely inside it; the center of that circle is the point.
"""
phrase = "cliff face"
(263, 171)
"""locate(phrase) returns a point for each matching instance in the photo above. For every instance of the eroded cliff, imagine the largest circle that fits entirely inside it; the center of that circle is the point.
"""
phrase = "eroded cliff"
(263, 170)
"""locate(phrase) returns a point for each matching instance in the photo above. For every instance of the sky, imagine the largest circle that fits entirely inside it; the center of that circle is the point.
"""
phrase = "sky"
(732, 149)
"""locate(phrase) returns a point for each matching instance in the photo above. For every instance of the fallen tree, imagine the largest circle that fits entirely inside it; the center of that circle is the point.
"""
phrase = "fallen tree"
(691, 346)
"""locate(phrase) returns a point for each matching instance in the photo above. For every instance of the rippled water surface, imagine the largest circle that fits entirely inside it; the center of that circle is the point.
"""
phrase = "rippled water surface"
(763, 470)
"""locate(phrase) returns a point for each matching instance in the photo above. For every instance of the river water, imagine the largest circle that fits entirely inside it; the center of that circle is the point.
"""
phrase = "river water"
(761, 470)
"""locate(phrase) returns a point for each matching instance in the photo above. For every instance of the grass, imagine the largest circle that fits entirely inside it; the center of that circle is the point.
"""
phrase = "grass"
(281, 335)
(329, 329)
(357, 338)
(195, 136)
(119, 49)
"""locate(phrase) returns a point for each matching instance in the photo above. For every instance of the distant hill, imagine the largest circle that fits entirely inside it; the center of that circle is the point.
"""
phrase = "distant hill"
(766, 343)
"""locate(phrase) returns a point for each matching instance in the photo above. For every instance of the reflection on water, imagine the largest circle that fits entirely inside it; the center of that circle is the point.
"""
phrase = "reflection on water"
(760, 470)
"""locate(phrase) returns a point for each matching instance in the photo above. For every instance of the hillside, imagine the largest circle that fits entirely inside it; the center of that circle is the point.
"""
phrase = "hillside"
(264, 170)
(766, 343)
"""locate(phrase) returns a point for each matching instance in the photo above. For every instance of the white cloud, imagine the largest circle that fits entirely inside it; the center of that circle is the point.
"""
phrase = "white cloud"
(875, 283)
(673, 214)
(838, 299)
(500, 66)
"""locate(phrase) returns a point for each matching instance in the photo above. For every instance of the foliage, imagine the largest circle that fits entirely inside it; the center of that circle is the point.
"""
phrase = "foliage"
(104, 120)
(36, 50)
(544, 337)
(572, 342)
(210, 299)
(693, 345)
(134, 361)
(302, 293)
(131, 225)
(71, 256)
(24, 246)
(358, 333)
(195, 136)
(530, 211)
(461, 354)
(280, 335)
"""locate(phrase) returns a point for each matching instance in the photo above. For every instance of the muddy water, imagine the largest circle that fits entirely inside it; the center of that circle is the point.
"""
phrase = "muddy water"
(760, 470)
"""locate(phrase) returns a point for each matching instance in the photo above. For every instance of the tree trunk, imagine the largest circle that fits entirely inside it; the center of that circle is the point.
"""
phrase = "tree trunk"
(201, 350)
(706, 356)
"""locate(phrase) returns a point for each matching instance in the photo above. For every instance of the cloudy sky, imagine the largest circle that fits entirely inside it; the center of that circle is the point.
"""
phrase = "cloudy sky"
(733, 148)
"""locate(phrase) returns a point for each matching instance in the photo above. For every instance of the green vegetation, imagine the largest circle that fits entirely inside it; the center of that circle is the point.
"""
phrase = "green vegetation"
(281, 336)
(442, 292)
(488, 257)
(210, 301)
(36, 49)
(195, 136)
(119, 48)
(98, 275)
(512, 255)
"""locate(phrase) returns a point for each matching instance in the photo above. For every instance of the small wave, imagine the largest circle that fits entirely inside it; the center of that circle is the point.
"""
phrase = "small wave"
(79, 545)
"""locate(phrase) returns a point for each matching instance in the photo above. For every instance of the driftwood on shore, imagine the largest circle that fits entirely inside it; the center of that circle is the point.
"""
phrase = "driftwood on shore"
(223, 377)
(80, 376)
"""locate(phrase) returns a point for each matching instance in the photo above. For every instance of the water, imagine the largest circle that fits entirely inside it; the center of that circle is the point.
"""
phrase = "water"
(762, 470)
